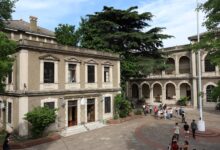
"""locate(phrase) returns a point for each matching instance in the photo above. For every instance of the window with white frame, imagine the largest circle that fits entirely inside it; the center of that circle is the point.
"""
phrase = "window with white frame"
(91, 73)
(9, 117)
(107, 101)
(106, 74)
(48, 72)
(71, 73)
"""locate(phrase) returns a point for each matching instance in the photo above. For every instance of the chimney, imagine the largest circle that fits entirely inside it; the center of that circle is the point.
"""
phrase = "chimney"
(33, 23)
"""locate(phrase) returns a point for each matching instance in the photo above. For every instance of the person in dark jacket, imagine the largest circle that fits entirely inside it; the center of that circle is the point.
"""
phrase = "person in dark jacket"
(6, 142)
(194, 128)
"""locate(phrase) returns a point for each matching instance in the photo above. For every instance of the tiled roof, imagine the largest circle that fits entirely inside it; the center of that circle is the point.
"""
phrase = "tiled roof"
(25, 26)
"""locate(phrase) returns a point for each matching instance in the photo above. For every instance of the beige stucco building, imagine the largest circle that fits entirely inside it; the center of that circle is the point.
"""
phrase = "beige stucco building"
(81, 83)
(179, 80)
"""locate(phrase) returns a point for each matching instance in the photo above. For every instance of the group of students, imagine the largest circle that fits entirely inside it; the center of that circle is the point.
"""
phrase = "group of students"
(174, 142)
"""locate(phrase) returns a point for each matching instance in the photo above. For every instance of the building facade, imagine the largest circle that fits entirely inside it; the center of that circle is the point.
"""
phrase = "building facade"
(80, 83)
(179, 80)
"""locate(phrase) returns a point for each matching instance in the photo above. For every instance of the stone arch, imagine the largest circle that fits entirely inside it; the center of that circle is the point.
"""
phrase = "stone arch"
(171, 66)
(135, 90)
(208, 66)
(157, 91)
(185, 90)
(207, 91)
(145, 90)
(184, 64)
(170, 90)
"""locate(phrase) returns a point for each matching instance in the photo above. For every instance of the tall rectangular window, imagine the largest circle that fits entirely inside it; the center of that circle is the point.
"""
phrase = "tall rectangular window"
(107, 104)
(48, 72)
(51, 105)
(106, 74)
(9, 112)
(91, 73)
(71, 73)
(1, 109)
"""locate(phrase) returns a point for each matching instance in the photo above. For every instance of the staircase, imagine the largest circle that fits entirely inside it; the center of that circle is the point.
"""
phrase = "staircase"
(81, 128)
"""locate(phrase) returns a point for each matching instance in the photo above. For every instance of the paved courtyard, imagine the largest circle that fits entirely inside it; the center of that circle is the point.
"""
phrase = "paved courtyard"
(146, 133)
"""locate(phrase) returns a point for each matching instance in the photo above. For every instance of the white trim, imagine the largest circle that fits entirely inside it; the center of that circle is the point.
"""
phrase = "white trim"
(110, 83)
(12, 111)
(152, 85)
(182, 82)
(168, 83)
(91, 85)
(23, 109)
(74, 85)
(107, 115)
(48, 86)
(49, 99)
(145, 82)
(23, 69)
(204, 91)
(78, 111)
(119, 73)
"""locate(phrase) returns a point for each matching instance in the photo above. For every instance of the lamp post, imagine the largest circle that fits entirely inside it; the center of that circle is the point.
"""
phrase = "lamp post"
(201, 122)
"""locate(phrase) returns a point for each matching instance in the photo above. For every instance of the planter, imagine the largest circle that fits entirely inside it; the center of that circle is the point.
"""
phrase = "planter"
(121, 120)
(33, 142)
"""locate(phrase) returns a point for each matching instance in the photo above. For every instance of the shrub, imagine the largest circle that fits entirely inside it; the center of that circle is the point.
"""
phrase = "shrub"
(217, 107)
(138, 111)
(40, 118)
(182, 101)
(122, 106)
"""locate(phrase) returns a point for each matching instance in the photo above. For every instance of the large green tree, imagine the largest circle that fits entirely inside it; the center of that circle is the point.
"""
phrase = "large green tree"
(210, 41)
(7, 47)
(127, 33)
(6, 9)
(66, 35)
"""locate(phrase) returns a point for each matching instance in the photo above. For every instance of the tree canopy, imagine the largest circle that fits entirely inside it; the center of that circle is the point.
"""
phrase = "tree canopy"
(7, 47)
(210, 41)
(127, 33)
(66, 35)
(6, 9)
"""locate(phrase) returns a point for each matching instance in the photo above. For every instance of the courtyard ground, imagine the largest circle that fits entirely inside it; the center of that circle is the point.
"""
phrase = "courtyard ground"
(145, 133)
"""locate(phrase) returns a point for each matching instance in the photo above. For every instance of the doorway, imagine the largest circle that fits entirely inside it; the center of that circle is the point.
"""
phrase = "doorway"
(91, 110)
(72, 113)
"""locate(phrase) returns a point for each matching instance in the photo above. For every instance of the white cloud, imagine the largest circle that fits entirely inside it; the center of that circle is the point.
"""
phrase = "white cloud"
(178, 16)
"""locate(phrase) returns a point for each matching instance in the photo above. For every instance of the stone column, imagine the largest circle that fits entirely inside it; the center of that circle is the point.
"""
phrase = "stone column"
(140, 92)
(177, 93)
(151, 95)
(163, 98)
(23, 109)
(216, 70)
(176, 65)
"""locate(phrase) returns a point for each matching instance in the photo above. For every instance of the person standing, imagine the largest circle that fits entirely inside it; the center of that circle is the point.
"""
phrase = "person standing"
(177, 131)
(144, 109)
(186, 129)
(194, 128)
(6, 142)
(186, 145)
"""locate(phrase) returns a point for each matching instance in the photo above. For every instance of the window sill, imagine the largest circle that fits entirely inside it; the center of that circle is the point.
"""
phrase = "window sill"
(48, 86)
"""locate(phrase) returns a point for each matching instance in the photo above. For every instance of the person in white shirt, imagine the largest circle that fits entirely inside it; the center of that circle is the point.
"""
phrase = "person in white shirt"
(177, 131)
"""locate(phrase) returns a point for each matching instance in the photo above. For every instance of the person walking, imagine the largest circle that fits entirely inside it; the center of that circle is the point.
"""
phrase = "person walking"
(186, 145)
(144, 109)
(177, 131)
(6, 142)
(194, 128)
(186, 129)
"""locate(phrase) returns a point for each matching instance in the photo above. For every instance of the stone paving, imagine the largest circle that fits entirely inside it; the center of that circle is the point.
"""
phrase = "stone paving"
(146, 133)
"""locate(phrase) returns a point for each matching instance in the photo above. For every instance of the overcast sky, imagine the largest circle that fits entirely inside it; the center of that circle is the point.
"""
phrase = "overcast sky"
(177, 16)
